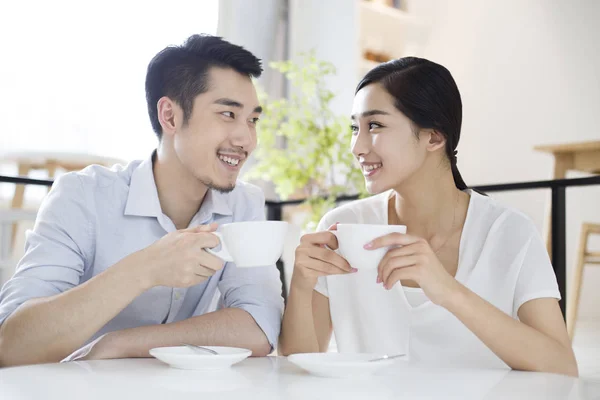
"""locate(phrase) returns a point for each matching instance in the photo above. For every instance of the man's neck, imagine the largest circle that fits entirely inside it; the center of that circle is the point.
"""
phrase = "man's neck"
(180, 193)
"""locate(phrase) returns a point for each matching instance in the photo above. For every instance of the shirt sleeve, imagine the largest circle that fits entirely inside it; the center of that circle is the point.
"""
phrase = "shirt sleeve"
(536, 277)
(57, 250)
(255, 290)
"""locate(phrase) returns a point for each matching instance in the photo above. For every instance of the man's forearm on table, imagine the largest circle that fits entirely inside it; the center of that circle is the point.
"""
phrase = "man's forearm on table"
(227, 327)
(49, 329)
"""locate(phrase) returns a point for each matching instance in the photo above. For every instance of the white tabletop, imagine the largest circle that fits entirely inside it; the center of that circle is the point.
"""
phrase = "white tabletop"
(276, 378)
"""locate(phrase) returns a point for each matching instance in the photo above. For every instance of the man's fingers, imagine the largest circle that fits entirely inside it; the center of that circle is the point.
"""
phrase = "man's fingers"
(202, 228)
(210, 261)
(204, 271)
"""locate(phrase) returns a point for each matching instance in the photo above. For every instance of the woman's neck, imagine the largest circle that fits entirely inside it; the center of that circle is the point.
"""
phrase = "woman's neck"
(430, 206)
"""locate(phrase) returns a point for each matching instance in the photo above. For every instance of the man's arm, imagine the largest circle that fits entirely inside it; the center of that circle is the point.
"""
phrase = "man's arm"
(230, 327)
(48, 329)
(57, 252)
(251, 318)
(45, 314)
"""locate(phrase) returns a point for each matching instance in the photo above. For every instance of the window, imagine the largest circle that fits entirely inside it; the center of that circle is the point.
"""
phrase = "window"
(72, 72)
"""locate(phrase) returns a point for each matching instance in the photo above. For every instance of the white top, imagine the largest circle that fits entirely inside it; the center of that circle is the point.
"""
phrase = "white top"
(415, 296)
(502, 258)
(275, 378)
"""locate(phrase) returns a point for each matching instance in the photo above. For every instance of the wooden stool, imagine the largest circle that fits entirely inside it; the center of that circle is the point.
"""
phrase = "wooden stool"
(584, 256)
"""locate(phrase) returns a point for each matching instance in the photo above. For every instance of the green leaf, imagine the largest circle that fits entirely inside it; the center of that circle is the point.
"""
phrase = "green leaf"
(317, 159)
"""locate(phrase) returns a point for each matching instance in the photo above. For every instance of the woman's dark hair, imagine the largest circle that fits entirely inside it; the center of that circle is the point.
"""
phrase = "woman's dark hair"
(426, 93)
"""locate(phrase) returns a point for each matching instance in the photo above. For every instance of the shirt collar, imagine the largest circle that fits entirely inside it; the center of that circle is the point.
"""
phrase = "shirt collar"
(143, 201)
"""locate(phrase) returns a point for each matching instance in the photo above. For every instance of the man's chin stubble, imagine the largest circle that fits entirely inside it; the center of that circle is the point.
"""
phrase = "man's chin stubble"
(220, 189)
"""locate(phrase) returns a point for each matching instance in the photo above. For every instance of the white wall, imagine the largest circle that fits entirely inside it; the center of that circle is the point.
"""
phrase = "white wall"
(72, 73)
(327, 27)
(257, 27)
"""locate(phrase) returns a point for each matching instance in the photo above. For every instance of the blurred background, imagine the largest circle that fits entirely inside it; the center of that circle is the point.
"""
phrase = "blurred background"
(72, 83)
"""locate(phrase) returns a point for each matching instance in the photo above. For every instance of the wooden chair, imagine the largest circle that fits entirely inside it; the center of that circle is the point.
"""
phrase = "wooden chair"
(584, 257)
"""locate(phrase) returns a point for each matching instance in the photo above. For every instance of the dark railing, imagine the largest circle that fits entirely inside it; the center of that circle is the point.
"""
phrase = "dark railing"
(558, 219)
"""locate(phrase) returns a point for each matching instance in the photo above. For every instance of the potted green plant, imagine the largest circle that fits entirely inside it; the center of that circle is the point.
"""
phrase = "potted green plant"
(304, 148)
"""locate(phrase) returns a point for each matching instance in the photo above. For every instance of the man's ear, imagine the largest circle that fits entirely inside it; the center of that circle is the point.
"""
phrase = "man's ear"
(167, 115)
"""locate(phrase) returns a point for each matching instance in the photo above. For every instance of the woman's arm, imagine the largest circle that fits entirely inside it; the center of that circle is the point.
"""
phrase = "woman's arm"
(538, 342)
(307, 322)
(305, 311)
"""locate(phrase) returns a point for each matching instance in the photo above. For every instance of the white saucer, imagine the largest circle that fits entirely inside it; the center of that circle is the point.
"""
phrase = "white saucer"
(336, 365)
(183, 357)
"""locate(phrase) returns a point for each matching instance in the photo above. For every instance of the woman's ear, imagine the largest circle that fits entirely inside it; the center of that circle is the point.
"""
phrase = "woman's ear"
(436, 140)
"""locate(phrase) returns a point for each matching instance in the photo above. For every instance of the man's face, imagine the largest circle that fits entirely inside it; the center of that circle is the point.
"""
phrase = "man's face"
(221, 131)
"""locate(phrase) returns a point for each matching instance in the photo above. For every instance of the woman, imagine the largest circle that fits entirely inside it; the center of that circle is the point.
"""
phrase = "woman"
(470, 283)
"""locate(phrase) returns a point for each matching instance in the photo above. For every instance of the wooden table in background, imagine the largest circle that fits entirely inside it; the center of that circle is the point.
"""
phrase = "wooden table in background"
(580, 156)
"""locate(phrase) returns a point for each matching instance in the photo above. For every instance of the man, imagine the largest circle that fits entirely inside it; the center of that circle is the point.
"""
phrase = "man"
(116, 260)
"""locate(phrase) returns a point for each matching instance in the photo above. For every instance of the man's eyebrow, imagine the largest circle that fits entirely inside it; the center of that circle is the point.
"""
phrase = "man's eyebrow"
(233, 103)
(229, 102)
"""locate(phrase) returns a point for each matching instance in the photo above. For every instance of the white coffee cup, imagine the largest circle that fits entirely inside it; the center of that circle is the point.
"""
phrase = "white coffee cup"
(353, 237)
(251, 243)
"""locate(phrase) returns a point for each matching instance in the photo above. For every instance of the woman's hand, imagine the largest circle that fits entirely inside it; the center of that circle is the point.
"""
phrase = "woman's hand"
(411, 258)
(315, 257)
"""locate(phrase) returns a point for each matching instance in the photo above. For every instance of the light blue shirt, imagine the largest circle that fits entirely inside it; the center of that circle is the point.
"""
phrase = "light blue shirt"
(93, 218)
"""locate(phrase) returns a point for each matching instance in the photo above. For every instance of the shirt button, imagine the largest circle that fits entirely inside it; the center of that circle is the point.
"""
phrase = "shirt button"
(177, 295)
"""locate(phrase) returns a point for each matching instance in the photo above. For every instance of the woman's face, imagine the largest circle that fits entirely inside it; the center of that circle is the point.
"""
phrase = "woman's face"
(383, 140)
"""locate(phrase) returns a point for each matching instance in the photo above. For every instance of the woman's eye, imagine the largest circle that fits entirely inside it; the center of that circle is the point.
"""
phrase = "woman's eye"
(353, 129)
(254, 120)
(228, 114)
(374, 125)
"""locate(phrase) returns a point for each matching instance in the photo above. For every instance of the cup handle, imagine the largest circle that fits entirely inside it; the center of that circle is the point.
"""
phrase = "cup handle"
(223, 253)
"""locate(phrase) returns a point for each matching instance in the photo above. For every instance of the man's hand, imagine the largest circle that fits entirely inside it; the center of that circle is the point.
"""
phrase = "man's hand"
(179, 259)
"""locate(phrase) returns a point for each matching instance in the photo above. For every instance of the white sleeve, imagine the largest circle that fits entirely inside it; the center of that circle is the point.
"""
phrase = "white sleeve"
(321, 285)
(536, 278)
